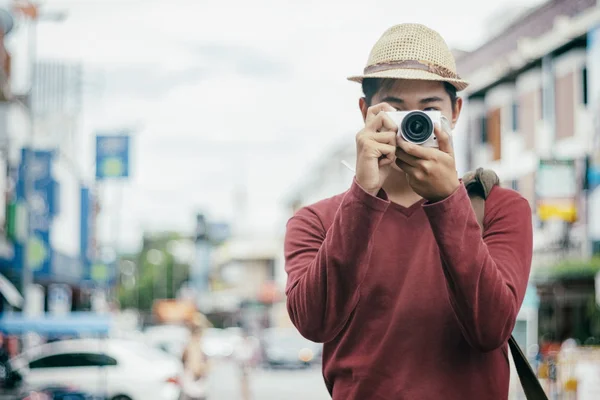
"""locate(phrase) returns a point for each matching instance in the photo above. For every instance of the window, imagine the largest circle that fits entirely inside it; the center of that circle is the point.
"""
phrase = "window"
(584, 85)
(528, 115)
(483, 129)
(97, 360)
(541, 103)
(520, 333)
(564, 105)
(493, 131)
(596, 247)
(73, 360)
(55, 361)
(514, 185)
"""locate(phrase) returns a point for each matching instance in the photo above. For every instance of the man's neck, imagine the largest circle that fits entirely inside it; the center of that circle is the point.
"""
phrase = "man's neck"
(399, 191)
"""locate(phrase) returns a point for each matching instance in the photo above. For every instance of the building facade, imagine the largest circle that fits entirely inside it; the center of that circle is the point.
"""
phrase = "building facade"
(528, 104)
(40, 155)
(532, 117)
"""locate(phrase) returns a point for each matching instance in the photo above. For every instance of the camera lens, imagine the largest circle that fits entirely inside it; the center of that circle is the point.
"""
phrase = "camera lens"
(417, 127)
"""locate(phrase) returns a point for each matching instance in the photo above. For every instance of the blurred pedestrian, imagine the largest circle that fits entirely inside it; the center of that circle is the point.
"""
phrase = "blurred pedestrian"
(4, 363)
(195, 362)
(394, 275)
(245, 357)
(8, 378)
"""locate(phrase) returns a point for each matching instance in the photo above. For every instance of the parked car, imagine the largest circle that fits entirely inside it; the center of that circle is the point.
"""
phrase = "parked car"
(172, 339)
(285, 347)
(114, 368)
(219, 343)
(23, 392)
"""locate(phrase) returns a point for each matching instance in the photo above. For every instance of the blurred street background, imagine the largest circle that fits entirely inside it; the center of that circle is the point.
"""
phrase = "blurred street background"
(270, 385)
(152, 151)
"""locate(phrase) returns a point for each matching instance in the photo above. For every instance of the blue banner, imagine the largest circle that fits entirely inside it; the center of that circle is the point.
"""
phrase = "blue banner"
(112, 156)
(87, 229)
(36, 165)
(103, 274)
(54, 198)
(66, 268)
(84, 225)
(95, 271)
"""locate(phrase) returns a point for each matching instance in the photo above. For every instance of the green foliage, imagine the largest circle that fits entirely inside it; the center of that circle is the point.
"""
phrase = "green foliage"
(569, 270)
(593, 315)
(158, 280)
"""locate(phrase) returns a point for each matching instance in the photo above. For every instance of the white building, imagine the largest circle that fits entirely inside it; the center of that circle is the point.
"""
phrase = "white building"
(43, 114)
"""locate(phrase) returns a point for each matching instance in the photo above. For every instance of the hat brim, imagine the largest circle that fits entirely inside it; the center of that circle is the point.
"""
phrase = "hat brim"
(415, 74)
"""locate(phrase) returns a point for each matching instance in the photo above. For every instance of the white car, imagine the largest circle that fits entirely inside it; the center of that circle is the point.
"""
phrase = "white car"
(172, 339)
(113, 368)
(216, 343)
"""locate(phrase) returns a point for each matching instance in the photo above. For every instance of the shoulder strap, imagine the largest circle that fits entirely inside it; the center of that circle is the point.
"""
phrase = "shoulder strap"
(479, 184)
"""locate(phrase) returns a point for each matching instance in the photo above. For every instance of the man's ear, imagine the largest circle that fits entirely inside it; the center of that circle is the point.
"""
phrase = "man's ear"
(364, 107)
(456, 111)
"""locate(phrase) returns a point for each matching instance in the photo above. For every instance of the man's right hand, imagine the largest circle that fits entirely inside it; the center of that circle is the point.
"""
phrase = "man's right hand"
(375, 148)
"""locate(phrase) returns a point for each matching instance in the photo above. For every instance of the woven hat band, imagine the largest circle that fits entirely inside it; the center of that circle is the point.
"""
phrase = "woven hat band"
(411, 64)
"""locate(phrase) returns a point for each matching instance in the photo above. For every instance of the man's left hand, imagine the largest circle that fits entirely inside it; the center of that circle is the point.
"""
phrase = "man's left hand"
(431, 172)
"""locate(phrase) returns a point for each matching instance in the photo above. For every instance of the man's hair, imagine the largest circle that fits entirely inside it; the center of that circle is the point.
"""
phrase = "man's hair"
(371, 86)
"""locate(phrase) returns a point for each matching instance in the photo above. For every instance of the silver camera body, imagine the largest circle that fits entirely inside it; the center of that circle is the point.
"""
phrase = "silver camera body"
(418, 126)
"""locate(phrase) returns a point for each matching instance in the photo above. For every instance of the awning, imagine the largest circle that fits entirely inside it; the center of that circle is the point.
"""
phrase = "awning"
(10, 293)
(76, 324)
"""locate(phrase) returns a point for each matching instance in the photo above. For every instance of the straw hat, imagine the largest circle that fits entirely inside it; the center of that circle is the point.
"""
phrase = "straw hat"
(412, 51)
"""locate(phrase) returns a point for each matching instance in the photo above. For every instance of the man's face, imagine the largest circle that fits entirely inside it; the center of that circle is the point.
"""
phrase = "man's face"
(407, 95)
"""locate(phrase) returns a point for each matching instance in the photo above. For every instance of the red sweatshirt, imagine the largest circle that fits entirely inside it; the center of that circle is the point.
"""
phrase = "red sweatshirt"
(411, 303)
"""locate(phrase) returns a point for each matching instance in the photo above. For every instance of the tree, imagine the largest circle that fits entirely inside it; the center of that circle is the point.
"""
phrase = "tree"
(157, 273)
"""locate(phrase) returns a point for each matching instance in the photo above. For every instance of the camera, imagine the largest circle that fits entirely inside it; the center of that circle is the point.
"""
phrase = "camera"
(417, 126)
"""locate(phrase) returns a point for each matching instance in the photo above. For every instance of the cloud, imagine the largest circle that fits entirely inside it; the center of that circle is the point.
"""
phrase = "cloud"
(230, 92)
(246, 61)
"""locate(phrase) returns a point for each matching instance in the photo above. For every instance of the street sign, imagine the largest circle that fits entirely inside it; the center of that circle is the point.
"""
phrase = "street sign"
(112, 156)
(556, 190)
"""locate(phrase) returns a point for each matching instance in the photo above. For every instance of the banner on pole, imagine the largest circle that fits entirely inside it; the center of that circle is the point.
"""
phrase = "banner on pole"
(44, 200)
(112, 156)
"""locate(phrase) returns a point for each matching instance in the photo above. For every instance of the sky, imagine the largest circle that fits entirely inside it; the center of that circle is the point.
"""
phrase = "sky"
(228, 94)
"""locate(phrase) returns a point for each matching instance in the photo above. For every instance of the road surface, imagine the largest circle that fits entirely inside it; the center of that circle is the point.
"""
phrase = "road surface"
(305, 384)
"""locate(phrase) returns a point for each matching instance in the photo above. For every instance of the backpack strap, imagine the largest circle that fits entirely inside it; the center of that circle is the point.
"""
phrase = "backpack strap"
(479, 184)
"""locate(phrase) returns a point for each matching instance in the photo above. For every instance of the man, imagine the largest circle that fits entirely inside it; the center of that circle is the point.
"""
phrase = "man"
(394, 276)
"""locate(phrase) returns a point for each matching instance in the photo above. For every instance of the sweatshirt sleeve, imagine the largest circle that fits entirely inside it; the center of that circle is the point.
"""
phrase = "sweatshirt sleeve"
(325, 267)
(487, 277)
